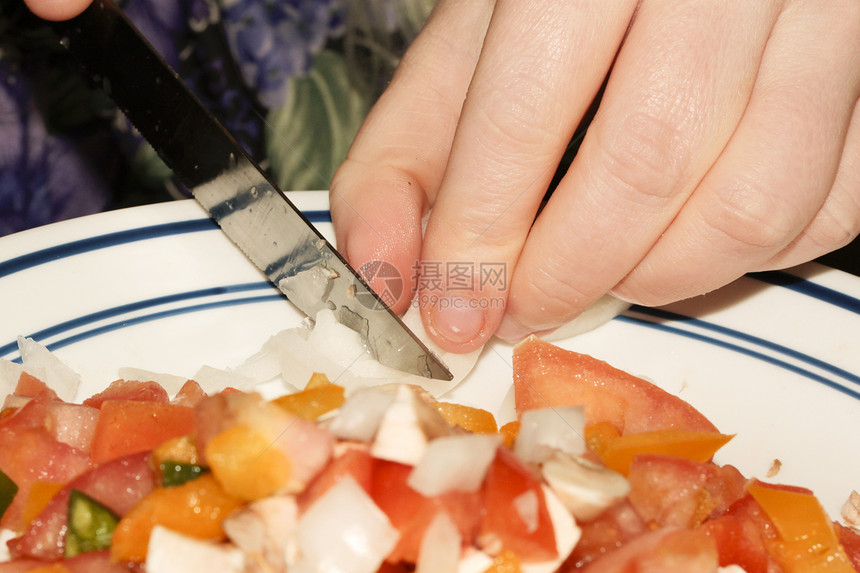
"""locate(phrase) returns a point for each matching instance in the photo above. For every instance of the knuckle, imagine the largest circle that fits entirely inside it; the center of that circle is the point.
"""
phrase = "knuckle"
(644, 155)
(751, 218)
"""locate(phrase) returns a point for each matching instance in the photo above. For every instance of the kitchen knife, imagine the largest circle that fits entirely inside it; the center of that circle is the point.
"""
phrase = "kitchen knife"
(244, 201)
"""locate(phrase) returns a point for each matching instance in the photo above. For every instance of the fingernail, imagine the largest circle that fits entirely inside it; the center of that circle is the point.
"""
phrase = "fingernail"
(457, 319)
(512, 331)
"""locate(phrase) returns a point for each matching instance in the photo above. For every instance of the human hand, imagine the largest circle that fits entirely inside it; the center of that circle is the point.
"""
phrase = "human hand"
(727, 141)
(57, 10)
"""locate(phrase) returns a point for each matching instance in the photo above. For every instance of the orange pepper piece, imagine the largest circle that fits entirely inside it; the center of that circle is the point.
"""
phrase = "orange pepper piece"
(246, 464)
(807, 539)
(505, 562)
(471, 419)
(318, 397)
(509, 432)
(41, 492)
(617, 451)
(196, 508)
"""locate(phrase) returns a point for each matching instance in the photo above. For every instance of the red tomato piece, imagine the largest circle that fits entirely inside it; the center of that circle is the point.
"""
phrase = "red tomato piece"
(99, 562)
(666, 550)
(127, 427)
(28, 453)
(118, 484)
(739, 542)
(129, 390)
(546, 375)
(20, 565)
(850, 541)
(355, 462)
(530, 537)
(411, 513)
(189, 395)
(72, 424)
(666, 490)
(29, 385)
(609, 531)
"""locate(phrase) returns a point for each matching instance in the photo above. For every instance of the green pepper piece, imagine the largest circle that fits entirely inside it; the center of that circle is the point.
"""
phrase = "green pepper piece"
(8, 490)
(178, 473)
(91, 525)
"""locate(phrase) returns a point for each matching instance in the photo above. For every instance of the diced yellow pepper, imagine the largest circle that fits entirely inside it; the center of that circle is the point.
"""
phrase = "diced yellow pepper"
(41, 492)
(505, 562)
(246, 464)
(807, 540)
(472, 419)
(318, 397)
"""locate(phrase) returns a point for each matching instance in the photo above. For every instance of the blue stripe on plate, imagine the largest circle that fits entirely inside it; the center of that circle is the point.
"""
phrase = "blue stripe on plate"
(82, 246)
(627, 317)
(808, 288)
(743, 350)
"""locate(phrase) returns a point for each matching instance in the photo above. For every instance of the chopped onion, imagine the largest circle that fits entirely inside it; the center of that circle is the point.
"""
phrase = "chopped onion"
(406, 427)
(344, 531)
(567, 534)
(545, 431)
(586, 489)
(10, 372)
(264, 529)
(360, 415)
(440, 547)
(215, 379)
(454, 463)
(39, 362)
(171, 552)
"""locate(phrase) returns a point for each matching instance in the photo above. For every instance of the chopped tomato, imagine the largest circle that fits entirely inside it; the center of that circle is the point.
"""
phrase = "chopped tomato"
(666, 550)
(129, 426)
(609, 531)
(666, 490)
(196, 508)
(850, 541)
(354, 462)
(739, 542)
(411, 513)
(807, 541)
(118, 484)
(72, 424)
(546, 375)
(509, 488)
(189, 395)
(129, 390)
(29, 385)
(28, 453)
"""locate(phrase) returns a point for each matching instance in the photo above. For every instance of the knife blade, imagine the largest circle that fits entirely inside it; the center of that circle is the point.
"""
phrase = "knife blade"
(238, 195)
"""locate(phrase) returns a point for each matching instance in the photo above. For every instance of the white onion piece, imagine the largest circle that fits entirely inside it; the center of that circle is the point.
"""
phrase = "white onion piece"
(169, 382)
(6, 535)
(440, 547)
(10, 372)
(567, 534)
(171, 552)
(338, 352)
(454, 463)
(343, 531)
(406, 427)
(39, 362)
(586, 489)
(360, 415)
(264, 529)
(600, 312)
(214, 380)
(545, 431)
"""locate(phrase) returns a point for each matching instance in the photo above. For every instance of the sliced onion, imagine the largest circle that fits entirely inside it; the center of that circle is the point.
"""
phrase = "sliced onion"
(545, 431)
(215, 379)
(343, 531)
(600, 312)
(406, 427)
(10, 372)
(454, 463)
(39, 362)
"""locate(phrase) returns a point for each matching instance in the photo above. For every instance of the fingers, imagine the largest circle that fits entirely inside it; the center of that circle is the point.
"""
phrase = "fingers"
(395, 165)
(57, 9)
(838, 221)
(677, 90)
(541, 65)
(779, 167)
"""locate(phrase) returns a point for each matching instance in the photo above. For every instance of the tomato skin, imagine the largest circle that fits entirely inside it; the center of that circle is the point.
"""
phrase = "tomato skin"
(129, 390)
(546, 375)
(127, 427)
(506, 480)
(609, 531)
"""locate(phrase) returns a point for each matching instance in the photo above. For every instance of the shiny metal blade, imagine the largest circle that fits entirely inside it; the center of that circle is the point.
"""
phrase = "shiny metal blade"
(247, 205)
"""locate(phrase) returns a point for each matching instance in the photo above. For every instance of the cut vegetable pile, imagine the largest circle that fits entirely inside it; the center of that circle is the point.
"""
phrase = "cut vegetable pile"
(602, 471)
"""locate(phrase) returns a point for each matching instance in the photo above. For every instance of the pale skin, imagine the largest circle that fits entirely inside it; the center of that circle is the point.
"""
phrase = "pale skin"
(727, 141)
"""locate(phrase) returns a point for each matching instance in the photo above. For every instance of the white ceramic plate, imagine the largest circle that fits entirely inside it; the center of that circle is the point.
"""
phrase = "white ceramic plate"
(774, 358)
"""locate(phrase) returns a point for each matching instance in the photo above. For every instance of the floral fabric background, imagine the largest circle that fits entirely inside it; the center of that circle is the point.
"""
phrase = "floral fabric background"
(291, 79)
